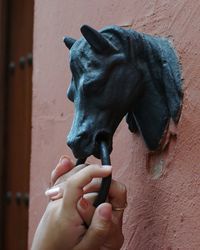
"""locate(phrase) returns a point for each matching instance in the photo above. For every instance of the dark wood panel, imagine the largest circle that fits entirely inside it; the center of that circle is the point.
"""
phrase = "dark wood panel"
(2, 102)
(18, 123)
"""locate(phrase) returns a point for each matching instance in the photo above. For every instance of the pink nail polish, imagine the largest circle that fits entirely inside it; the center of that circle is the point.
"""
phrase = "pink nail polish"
(83, 203)
(63, 158)
(53, 191)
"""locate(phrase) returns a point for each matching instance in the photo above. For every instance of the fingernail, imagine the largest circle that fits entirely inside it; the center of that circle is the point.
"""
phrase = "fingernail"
(109, 167)
(105, 212)
(63, 159)
(83, 203)
(52, 191)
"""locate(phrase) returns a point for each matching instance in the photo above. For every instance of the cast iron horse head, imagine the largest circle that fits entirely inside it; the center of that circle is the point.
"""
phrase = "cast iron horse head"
(118, 72)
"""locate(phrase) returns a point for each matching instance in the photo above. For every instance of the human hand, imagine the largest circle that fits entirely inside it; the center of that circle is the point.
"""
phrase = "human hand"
(61, 226)
(116, 197)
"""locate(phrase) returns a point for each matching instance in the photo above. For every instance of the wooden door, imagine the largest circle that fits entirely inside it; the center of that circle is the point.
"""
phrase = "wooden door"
(18, 124)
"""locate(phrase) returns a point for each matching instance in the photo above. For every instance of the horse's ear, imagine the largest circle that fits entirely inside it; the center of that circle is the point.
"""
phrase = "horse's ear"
(96, 39)
(68, 41)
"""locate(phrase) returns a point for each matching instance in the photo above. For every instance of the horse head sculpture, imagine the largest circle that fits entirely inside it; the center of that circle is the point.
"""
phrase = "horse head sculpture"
(117, 73)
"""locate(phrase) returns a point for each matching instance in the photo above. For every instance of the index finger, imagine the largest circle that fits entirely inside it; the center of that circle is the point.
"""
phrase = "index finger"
(73, 190)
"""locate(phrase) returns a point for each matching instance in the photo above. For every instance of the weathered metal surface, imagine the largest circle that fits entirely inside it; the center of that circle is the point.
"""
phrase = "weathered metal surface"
(118, 72)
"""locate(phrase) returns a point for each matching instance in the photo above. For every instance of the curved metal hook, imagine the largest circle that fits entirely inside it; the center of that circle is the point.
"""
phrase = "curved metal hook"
(105, 184)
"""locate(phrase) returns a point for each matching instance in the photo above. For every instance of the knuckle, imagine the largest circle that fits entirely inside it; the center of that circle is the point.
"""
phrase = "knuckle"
(94, 167)
(70, 182)
(88, 170)
(101, 229)
(92, 170)
(99, 234)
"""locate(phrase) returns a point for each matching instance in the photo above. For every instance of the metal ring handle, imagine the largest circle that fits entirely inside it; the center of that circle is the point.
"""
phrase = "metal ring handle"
(105, 184)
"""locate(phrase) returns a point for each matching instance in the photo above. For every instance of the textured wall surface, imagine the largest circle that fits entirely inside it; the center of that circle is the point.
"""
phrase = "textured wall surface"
(163, 197)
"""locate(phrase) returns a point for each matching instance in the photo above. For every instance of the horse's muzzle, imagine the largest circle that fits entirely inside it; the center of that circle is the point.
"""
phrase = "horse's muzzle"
(85, 144)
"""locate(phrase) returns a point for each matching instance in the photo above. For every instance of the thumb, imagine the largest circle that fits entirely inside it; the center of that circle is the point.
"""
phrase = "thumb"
(99, 229)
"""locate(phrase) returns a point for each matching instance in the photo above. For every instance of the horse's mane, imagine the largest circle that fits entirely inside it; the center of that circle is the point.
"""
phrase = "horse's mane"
(123, 39)
(155, 57)
(143, 47)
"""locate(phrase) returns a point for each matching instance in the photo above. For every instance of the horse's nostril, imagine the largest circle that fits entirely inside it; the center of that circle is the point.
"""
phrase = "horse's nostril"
(81, 145)
(74, 141)
(69, 143)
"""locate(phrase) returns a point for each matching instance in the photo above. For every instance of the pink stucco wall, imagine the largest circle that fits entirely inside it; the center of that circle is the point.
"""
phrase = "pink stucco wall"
(164, 198)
